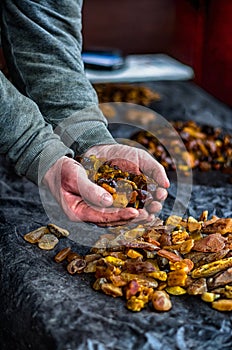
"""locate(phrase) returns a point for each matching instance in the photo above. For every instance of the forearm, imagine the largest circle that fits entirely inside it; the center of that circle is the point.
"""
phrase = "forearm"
(25, 138)
(43, 44)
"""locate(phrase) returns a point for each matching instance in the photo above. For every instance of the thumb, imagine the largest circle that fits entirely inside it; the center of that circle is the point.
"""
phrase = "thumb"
(93, 193)
(75, 180)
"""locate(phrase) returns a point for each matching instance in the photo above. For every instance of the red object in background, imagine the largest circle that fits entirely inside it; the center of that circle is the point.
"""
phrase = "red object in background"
(2, 60)
(203, 39)
(217, 51)
(3, 66)
(133, 26)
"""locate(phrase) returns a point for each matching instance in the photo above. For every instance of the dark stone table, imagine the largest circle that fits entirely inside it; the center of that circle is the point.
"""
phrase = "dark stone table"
(43, 307)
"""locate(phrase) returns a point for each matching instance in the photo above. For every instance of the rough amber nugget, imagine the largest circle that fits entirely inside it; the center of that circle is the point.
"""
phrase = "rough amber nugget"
(222, 304)
(179, 236)
(57, 231)
(120, 200)
(110, 289)
(177, 278)
(173, 220)
(161, 301)
(175, 290)
(48, 242)
(221, 226)
(209, 297)
(62, 255)
(114, 261)
(135, 304)
(133, 254)
(34, 236)
(212, 268)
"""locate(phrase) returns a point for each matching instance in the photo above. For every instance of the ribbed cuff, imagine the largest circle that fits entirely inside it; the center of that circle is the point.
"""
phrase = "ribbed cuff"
(84, 129)
(46, 159)
(95, 133)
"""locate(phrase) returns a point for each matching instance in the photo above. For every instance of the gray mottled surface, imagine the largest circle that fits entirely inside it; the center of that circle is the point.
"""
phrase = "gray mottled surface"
(43, 307)
(184, 100)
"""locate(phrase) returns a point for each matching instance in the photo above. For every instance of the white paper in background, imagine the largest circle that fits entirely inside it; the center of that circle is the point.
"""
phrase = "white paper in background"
(144, 68)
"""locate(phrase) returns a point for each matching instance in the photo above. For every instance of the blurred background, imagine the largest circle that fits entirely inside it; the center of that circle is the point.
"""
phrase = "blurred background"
(197, 33)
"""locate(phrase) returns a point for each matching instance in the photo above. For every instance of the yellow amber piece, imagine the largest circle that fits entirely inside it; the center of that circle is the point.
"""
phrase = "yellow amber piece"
(209, 297)
(114, 261)
(133, 254)
(175, 290)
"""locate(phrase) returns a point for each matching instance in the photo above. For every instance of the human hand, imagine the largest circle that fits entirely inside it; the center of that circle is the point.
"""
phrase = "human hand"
(80, 198)
(135, 160)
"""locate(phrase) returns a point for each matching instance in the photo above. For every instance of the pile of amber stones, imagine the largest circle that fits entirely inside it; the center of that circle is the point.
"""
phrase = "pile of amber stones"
(130, 93)
(149, 264)
(206, 148)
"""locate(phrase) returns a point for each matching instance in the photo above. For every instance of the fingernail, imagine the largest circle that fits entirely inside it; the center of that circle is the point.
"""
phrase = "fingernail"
(106, 198)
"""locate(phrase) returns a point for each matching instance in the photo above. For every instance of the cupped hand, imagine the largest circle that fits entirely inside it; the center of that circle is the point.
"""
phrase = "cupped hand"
(80, 198)
(136, 160)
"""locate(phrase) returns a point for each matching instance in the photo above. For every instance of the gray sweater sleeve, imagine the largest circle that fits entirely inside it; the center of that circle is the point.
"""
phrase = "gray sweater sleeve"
(27, 140)
(42, 41)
